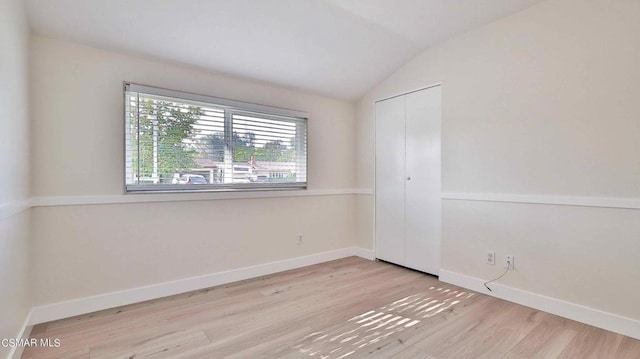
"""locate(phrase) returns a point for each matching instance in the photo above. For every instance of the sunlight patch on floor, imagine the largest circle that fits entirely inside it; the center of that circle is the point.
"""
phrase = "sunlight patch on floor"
(376, 327)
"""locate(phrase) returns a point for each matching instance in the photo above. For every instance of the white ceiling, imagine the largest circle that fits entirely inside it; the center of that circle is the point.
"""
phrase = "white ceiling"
(339, 48)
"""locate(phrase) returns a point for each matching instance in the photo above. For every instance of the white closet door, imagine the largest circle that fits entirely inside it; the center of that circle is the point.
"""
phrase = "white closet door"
(390, 179)
(423, 202)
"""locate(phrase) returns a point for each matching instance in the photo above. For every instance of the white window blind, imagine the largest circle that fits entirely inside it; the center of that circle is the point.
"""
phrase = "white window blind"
(177, 141)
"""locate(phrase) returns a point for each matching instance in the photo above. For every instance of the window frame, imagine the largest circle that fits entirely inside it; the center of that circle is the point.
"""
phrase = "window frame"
(231, 108)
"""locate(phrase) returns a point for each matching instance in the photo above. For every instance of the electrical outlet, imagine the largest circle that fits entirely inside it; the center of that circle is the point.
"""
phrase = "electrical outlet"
(491, 257)
(299, 238)
(509, 262)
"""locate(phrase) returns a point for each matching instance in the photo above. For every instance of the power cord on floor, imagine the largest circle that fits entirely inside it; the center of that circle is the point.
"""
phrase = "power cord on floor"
(486, 284)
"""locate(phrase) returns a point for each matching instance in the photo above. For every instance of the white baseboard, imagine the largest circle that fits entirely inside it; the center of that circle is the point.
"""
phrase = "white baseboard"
(25, 331)
(597, 318)
(55, 311)
(369, 254)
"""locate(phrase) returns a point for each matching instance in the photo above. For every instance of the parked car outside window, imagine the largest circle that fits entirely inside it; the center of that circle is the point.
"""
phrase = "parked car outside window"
(192, 179)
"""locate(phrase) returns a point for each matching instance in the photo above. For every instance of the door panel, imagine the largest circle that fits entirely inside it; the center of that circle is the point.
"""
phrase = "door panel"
(423, 202)
(390, 181)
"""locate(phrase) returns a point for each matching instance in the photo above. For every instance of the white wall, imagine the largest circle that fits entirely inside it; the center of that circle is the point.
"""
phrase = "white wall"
(14, 166)
(85, 250)
(544, 102)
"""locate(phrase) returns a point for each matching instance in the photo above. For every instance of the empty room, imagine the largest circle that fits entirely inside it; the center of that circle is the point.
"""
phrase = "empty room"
(412, 179)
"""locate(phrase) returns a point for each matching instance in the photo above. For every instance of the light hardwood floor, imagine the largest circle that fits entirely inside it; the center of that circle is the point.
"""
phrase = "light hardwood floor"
(349, 308)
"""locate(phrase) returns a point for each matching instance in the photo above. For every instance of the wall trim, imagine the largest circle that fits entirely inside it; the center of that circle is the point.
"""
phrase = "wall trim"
(48, 201)
(604, 202)
(25, 331)
(369, 254)
(12, 208)
(609, 321)
(9, 209)
(66, 309)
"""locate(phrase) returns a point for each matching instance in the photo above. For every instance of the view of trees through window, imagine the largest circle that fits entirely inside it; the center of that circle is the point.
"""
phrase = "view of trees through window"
(176, 142)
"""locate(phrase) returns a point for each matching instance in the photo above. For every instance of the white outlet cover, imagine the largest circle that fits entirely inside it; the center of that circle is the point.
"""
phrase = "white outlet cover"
(507, 260)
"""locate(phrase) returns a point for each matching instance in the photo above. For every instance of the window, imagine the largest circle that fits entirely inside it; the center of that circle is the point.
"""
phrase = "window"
(177, 141)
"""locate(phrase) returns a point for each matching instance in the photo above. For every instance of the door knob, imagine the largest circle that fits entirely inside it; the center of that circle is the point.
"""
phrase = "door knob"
(408, 178)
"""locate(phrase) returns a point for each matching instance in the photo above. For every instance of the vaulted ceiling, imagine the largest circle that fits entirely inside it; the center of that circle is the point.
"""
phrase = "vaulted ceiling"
(339, 48)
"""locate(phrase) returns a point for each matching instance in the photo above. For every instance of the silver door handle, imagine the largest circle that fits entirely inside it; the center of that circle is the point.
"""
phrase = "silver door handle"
(408, 178)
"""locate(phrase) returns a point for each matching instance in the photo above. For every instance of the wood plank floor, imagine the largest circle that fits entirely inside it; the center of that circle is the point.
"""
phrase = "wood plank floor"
(349, 308)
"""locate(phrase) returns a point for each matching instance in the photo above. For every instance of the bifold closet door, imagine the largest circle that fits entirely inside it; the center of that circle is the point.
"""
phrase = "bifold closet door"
(390, 180)
(422, 193)
(407, 202)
